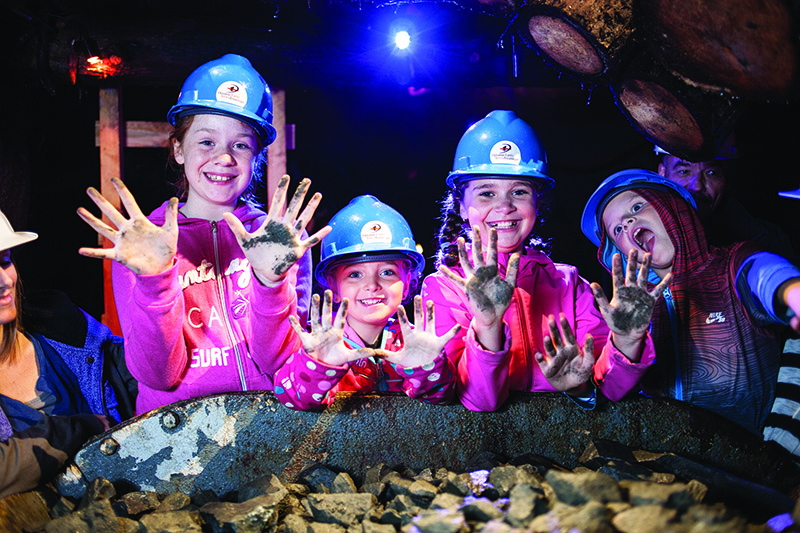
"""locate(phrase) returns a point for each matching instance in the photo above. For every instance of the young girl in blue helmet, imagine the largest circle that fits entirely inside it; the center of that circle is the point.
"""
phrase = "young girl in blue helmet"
(369, 265)
(717, 331)
(528, 324)
(196, 283)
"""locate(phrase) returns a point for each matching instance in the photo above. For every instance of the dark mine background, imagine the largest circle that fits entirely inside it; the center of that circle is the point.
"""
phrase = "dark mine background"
(393, 140)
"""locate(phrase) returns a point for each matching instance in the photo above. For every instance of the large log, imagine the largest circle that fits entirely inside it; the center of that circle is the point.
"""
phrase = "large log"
(747, 48)
(220, 442)
(587, 39)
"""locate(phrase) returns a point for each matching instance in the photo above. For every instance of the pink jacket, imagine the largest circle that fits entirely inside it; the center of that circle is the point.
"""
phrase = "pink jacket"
(304, 383)
(543, 288)
(206, 325)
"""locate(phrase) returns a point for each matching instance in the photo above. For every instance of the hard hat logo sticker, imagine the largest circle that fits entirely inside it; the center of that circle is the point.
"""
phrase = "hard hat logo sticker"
(233, 93)
(376, 232)
(505, 153)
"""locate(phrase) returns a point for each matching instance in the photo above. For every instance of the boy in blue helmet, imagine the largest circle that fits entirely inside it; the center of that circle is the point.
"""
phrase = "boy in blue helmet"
(716, 331)
(369, 265)
(195, 282)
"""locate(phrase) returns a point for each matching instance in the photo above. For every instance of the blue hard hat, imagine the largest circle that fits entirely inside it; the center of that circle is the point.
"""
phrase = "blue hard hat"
(635, 178)
(500, 144)
(227, 86)
(364, 230)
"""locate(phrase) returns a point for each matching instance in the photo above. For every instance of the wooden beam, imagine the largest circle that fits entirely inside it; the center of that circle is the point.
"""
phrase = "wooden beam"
(277, 150)
(112, 140)
(141, 134)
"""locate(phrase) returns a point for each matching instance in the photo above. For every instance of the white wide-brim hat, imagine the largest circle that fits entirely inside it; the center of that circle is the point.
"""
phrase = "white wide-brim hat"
(10, 238)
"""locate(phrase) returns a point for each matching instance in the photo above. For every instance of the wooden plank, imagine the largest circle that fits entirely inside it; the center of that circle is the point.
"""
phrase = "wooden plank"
(112, 139)
(141, 134)
(277, 150)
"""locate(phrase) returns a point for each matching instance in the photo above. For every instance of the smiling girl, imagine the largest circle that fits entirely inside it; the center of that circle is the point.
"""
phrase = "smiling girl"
(528, 324)
(197, 283)
(369, 265)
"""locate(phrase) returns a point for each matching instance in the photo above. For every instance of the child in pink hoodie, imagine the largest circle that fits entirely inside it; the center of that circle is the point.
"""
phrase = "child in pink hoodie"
(204, 287)
(369, 265)
(507, 302)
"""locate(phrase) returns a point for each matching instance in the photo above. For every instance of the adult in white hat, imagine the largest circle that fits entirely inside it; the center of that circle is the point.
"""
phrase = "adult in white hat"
(53, 393)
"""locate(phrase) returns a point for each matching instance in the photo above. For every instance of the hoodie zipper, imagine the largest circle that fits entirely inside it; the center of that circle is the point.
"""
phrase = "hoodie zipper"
(227, 319)
(673, 322)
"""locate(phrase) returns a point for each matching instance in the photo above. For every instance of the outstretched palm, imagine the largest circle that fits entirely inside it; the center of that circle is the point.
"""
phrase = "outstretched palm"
(565, 365)
(277, 245)
(139, 244)
(631, 306)
(421, 345)
(489, 295)
(325, 341)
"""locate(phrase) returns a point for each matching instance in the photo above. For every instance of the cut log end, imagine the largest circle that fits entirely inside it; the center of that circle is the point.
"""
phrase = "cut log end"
(565, 45)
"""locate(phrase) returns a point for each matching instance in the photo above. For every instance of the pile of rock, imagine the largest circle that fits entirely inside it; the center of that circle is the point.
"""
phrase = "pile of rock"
(609, 493)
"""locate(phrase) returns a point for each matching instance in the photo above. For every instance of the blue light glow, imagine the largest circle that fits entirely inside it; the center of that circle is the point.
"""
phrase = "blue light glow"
(402, 39)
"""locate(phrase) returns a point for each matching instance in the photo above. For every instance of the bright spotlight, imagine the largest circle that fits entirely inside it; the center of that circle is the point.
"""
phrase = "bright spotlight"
(402, 39)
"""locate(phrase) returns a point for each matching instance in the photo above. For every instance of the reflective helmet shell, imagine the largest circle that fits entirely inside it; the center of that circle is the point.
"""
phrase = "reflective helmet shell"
(635, 178)
(227, 86)
(500, 144)
(364, 230)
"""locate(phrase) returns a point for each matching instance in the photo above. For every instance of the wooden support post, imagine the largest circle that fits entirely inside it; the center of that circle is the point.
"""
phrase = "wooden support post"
(277, 150)
(112, 141)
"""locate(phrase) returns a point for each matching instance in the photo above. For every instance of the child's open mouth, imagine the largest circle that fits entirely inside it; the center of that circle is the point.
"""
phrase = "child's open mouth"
(644, 238)
(371, 301)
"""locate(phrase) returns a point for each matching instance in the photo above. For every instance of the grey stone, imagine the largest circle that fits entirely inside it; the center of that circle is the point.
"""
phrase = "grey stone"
(494, 526)
(126, 525)
(321, 527)
(375, 474)
(525, 502)
(423, 490)
(177, 501)
(99, 489)
(139, 502)
(318, 477)
(374, 527)
(404, 504)
(454, 484)
(578, 489)
(440, 521)
(503, 478)
(673, 496)
(622, 470)
(650, 518)
(267, 484)
(343, 484)
(254, 515)
(293, 524)
(391, 516)
(445, 500)
(376, 489)
(342, 509)
(481, 510)
(97, 517)
(590, 518)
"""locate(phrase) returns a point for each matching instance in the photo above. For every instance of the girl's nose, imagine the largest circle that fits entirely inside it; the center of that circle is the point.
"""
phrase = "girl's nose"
(6, 281)
(226, 158)
(505, 204)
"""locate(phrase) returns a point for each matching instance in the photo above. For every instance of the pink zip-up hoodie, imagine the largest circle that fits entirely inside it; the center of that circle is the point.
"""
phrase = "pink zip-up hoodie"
(543, 288)
(207, 325)
(305, 383)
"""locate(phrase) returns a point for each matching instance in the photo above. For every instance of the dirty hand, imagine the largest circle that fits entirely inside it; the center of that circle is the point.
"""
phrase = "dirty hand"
(276, 246)
(325, 341)
(420, 345)
(489, 295)
(631, 307)
(792, 297)
(565, 365)
(139, 244)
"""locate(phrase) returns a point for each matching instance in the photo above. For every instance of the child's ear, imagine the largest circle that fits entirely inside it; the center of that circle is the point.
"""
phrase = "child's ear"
(463, 212)
(177, 151)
